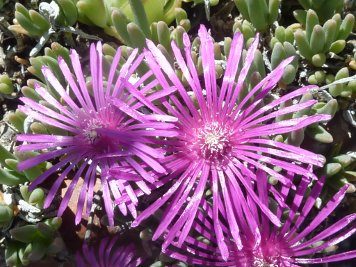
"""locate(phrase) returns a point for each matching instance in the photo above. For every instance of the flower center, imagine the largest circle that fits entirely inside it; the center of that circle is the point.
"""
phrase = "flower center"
(94, 126)
(258, 262)
(213, 141)
(90, 130)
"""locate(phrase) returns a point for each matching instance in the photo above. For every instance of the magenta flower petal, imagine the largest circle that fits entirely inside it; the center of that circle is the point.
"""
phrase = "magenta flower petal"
(220, 134)
(106, 127)
(108, 253)
(297, 242)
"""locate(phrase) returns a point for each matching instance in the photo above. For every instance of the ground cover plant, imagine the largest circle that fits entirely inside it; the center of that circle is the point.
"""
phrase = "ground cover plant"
(178, 133)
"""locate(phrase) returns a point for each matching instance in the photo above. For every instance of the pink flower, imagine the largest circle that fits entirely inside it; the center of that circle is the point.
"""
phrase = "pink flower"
(108, 254)
(219, 135)
(301, 239)
(113, 126)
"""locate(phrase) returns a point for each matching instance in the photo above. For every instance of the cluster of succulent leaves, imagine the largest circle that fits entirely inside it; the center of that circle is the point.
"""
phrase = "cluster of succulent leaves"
(34, 24)
(261, 13)
(6, 86)
(125, 20)
(324, 8)
(9, 175)
(340, 170)
(346, 90)
(320, 33)
(32, 242)
(315, 40)
(28, 236)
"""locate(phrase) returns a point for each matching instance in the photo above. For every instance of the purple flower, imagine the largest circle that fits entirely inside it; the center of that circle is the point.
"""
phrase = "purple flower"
(113, 126)
(219, 135)
(108, 254)
(302, 238)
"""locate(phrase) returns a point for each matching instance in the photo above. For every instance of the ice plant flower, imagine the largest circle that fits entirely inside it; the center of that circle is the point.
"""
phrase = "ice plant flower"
(108, 254)
(219, 135)
(299, 241)
(114, 125)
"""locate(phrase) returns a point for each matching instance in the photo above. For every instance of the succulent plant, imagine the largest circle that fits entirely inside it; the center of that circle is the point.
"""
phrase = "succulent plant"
(6, 215)
(68, 13)
(221, 52)
(134, 33)
(31, 243)
(247, 29)
(29, 22)
(113, 16)
(315, 41)
(16, 119)
(281, 51)
(324, 8)
(347, 90)
(319, 77)
(36, 24)
(341, 170)
(34, 198)
(261, 13)
(50, 59)
(98, 12)
(9, 175)
(281, 44)
(26, 206)
(282, 35)
(131, 21)
(27, 237)
(6, 86)
(50, 19)
(324, 54)
(318, 132)
(314, 131)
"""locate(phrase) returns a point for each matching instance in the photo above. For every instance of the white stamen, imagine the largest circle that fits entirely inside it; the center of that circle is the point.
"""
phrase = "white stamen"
(213, 140)
(258, 262)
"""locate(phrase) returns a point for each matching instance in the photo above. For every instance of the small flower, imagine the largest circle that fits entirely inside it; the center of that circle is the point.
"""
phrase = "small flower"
(219, 136)
(302, 239)
(114, 126)
(108, 254)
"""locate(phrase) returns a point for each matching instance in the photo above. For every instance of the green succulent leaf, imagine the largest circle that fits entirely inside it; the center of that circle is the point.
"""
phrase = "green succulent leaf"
(25, 234)
(319, 134)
